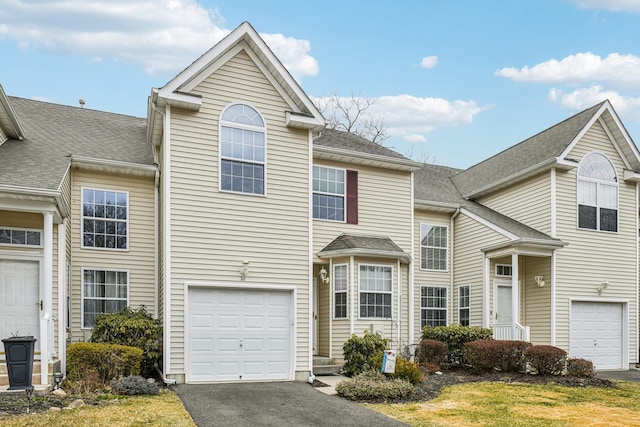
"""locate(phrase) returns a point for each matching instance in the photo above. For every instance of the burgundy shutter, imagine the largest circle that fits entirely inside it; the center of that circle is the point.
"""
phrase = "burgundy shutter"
(352, 197)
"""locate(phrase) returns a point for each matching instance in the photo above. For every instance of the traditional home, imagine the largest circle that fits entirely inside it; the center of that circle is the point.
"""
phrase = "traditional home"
(263, 240)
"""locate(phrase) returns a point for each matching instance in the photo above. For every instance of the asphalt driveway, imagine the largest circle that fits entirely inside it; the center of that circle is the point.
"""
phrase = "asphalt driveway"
(273, 404)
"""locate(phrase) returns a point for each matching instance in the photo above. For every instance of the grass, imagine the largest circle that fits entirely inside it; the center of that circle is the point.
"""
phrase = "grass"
(165, 409)
(513, 405)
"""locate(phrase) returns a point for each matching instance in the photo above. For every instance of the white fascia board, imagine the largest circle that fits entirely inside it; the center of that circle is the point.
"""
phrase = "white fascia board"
(303, 121)
(631, 176)
(13, 118)
(435, 206)
(113, 166)
(489, 224)
(181, 100)
(355, 157)
(584, 130)
(405, 257)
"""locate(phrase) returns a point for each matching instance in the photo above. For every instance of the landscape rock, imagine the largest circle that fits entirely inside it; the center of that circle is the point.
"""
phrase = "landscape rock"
(59, 393)
(76, 404)
(54, 409)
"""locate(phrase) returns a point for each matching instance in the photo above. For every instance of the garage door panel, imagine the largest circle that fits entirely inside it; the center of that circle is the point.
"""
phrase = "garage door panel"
(597, 334)
(250, 332)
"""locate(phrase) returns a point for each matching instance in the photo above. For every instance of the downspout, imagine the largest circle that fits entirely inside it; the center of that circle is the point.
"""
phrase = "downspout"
(451, 257)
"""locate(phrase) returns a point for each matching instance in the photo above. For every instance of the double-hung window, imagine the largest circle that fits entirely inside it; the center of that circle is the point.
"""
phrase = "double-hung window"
(376, 284)
(464, 306)
(433, 247)
(103, 291)
(340, 282)
(105, 219)
(242, 150)
(597, 193)
(328, 193)
(433, 306)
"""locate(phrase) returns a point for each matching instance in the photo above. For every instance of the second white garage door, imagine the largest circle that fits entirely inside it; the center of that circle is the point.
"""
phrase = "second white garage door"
(236, 335)
(596, 333)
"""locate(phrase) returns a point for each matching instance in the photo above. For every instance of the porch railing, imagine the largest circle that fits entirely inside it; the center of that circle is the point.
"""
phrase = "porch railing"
(504, 332)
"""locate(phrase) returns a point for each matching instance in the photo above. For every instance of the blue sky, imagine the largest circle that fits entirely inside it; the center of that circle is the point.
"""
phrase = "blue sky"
(456, 81)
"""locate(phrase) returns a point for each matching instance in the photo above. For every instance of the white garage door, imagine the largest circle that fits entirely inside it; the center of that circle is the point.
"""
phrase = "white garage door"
(236, 335)
(596, 333)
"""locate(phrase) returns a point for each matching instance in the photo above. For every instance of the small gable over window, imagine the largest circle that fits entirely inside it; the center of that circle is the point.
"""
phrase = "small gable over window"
(242, 150)
(597, 193)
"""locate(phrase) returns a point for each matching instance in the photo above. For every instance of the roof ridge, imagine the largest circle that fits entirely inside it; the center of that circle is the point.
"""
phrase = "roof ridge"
(55, 104)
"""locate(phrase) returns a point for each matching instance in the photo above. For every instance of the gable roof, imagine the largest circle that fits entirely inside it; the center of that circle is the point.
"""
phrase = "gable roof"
(344, 146)
(542, 151)
(58, 133)
(176, 92)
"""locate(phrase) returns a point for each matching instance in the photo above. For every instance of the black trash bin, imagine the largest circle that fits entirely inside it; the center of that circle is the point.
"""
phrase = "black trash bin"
(19, 354)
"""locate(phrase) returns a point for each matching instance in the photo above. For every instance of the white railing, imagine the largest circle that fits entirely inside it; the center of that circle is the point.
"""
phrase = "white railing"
(504, 332)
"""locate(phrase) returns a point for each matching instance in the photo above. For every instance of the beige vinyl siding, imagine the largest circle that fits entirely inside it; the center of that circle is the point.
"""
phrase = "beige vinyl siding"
(528, 202)
(536, 302)
(428, 277)
(138, 260)
(384, 207)
(594, 256)
(469, 238)
(324, 318)
(212, 232)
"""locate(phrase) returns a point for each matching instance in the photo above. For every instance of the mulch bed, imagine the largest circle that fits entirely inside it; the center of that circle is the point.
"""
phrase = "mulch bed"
(15, 403)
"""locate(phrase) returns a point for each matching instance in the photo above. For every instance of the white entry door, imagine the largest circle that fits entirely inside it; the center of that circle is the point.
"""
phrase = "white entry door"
(237, 334)
(504, 307)
(19, 299)
(596, 333)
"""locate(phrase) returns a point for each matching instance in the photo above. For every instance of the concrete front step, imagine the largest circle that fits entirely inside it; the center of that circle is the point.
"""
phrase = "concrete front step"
(325, 366)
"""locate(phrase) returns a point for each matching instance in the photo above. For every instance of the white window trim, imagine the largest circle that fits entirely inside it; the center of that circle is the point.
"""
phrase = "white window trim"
(222, 123)
(366, 264)
(344, 196)
(597, 206)
(460, 307)
(346, 292)
(82, 296)
(502, 265)
(446, 306)
(446, 248)
(128, 248)
(25, 245)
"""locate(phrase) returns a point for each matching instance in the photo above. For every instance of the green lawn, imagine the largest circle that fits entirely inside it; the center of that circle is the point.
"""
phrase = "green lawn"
(511, 405)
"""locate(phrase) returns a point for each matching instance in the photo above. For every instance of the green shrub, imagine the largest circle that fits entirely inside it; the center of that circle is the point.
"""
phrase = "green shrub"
(404, 370)
(546, 359)
(93, 365)
(135, 328)
(360, 351)
(433, 352)
(372, 385)
(577, 367)
(454, 336)
(134, 385)
(489, 355)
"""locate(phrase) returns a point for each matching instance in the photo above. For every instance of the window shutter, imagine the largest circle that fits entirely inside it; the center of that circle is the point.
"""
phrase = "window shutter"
(352, 197)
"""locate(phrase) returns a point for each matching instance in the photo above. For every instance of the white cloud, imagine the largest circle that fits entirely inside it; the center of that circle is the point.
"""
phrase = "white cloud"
(414, 137)
(616, 70)
(583, 98)
(162, 36)
(429, 62)
(612, 5)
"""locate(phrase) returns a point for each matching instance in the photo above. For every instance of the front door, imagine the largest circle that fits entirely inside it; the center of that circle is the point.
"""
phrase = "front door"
(503, 305)
(19, 299)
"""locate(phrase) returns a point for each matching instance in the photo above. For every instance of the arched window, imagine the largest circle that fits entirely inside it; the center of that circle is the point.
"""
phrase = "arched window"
(242, 150)
(597, 193)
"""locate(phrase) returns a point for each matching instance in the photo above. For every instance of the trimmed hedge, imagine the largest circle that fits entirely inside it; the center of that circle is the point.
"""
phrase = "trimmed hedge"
(489, 355)
(432, 352)
(359, 352)
(96, 364)
(135, 328)
(546, 359)
(577, 367)
(455, 336)
(372, 385)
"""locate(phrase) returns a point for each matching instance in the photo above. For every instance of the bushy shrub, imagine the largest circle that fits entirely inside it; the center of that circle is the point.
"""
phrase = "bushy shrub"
(360, 351)
(93, 365)
(134, 384)
(135, 328)
(404, 370)
(489, 355)
(372, 385)
(577, 367)
(546, 359)
(431, 351)
(454, 337)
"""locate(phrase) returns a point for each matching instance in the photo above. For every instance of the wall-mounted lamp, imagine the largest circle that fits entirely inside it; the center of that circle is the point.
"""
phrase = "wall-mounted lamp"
(601, 287)
(539, 281)
(324, 276)
(244, 271)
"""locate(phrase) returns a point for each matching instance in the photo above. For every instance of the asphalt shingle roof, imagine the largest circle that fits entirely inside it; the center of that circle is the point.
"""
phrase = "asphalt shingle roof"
(349, 141)
(54, 133)
(546, 145)
(351, 241)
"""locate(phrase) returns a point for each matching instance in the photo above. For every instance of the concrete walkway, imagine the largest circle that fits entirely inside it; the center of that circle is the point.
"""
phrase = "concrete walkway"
(273, 404)
(626, 375)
